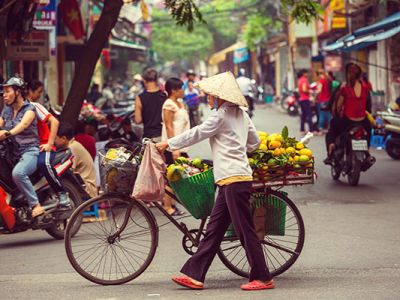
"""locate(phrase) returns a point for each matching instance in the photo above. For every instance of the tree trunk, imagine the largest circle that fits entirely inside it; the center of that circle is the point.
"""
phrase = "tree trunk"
(87, 63)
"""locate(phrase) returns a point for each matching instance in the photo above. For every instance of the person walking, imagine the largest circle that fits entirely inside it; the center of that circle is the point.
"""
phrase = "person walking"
(148, 106)
(246, 86)
(323, 97)
(175, 121)
(232, 134)
(304, 100)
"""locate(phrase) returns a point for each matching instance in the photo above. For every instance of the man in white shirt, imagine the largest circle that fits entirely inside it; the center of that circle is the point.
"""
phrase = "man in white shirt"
(245, 86)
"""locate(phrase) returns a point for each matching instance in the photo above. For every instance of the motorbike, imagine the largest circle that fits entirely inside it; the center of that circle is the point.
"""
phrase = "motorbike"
(15, 213)
(290, 104)
(391, 126)
(351, 155)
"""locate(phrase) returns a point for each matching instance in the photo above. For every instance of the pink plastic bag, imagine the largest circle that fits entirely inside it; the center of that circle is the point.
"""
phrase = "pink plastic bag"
(150, 182)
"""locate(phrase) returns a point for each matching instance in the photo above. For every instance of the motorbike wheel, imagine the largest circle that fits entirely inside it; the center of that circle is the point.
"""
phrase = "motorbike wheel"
(57, 230)
(393, 149)
(353, 176)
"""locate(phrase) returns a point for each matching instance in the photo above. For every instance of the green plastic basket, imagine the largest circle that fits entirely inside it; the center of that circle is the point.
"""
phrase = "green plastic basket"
(274, 211)
(196, 193)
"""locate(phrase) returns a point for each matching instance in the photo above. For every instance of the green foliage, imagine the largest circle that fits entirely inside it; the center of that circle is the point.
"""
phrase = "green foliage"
(186, 12)
(173, 43)
(256, 29)
(303, 11)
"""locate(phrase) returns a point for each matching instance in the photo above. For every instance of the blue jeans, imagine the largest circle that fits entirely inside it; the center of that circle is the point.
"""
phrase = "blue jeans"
(324, 117)
(21, 172)
(305, 116)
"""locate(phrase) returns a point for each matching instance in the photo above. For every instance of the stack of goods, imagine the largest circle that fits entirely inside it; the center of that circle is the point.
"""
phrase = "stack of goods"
(118, 170)
(279, 156)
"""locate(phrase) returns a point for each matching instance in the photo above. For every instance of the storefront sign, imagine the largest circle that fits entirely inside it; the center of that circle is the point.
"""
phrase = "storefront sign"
(46, 19)
(333, 63)
(35, 47)
(338, 7)
(240, 55)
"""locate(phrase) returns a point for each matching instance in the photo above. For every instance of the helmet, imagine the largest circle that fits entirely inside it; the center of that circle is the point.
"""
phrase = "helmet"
(242, 72)
(190, 72)
(15, 82)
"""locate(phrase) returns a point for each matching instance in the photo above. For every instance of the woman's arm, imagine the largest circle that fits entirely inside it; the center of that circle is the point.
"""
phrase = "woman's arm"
(169, 122)
(138, 111)
(53, 124)
(253, 140)
(1, 122)
(197, 134)
(27, 119)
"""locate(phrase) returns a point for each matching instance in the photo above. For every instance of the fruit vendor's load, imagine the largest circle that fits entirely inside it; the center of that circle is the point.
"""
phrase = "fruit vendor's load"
(185, 167)
(192, 181)
(118, 169)
(280, 156)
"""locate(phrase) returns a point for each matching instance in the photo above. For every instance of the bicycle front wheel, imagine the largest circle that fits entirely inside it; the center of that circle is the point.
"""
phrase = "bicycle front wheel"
(116, 242)
(282, 237)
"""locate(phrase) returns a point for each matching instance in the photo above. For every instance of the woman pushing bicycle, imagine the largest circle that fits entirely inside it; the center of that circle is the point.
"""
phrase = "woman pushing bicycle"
(232, 134)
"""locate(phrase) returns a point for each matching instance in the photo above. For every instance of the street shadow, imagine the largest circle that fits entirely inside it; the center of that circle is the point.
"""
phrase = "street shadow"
(16, 244)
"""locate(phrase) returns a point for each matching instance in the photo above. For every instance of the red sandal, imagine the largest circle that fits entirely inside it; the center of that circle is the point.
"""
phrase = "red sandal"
(186, 282)
(256, 285)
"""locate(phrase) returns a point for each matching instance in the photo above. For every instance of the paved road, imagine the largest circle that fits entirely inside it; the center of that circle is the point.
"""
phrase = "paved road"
(352, 248)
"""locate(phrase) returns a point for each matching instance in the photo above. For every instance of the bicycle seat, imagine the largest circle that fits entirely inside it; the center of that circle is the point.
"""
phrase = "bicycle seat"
(61, 156)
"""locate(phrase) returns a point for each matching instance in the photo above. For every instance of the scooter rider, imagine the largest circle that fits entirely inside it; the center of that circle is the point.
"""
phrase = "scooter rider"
(18, 118)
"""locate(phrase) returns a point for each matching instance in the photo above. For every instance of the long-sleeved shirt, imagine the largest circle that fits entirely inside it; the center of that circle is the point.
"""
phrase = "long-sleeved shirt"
(232, 134)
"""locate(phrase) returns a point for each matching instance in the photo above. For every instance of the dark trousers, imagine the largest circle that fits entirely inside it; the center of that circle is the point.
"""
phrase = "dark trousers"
(306, 116)
(337, 126)
(232, 205)
(44, 164)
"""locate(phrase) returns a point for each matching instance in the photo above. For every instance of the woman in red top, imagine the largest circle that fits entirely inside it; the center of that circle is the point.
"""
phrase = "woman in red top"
(323, 97)
(304, 100)
(354, 100)
(350, 107)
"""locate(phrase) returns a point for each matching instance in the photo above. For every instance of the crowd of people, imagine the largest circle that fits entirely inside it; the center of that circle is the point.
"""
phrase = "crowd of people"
(338, 105)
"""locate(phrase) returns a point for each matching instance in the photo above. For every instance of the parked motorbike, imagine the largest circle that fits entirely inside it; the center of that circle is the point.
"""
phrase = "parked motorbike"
(290, 103)
(15, 213)
(391, 121)
(351, 155)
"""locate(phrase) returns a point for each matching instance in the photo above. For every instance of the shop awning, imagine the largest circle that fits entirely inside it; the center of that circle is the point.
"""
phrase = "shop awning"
(367, 36)
(220, 56)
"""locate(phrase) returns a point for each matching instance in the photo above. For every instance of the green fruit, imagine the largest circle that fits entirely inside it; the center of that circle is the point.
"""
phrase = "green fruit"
(197, 163)
(272, 161)
(182, 160)
(304, 158)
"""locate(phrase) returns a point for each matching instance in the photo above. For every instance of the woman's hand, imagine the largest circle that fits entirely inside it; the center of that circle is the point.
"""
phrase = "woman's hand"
(3, 135)
(46, 147)
(161, 147)
(176, 154)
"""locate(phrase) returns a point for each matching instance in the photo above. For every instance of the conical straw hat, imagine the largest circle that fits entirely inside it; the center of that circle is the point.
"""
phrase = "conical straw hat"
(225, 87)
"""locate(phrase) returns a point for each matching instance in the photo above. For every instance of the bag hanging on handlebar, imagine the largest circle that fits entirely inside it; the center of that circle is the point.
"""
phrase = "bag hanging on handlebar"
(150, 182)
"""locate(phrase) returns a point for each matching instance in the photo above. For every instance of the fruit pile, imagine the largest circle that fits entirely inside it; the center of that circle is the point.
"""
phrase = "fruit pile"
(278, 152)
(185, 167)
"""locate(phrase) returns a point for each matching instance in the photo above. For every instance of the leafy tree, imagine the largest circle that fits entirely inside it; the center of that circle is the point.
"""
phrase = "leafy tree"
(186, 12)
(172, 42)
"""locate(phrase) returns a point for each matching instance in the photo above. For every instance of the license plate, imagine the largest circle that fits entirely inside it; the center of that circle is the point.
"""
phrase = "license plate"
(359, 145)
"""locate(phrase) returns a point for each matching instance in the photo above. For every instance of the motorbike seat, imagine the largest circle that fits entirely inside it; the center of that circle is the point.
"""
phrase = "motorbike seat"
(61, 156)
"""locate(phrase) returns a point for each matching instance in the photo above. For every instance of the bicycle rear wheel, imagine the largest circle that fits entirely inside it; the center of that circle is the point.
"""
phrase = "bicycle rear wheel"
(117, 245)
(282, 245)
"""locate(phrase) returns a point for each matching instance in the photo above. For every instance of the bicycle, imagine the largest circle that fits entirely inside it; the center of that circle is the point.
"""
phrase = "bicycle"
(125, 236)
